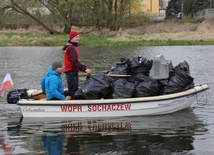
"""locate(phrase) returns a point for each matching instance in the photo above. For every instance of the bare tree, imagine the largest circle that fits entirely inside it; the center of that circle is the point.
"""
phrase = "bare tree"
(100, 13)
(107, 13)
(60, 10)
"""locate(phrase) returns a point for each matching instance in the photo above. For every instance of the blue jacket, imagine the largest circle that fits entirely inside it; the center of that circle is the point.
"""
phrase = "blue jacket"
(51, 84)
(53, 143)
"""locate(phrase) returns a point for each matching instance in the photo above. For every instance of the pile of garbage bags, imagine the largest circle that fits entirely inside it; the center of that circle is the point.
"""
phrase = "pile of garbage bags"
(139, 84)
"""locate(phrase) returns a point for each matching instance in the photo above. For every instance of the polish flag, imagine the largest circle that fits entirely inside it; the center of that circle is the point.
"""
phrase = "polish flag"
(6, 84)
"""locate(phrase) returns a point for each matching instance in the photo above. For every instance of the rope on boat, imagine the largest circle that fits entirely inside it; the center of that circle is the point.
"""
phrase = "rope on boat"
(197, 100)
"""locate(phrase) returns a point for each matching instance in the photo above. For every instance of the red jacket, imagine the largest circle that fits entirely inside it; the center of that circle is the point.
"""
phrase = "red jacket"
(72, 59)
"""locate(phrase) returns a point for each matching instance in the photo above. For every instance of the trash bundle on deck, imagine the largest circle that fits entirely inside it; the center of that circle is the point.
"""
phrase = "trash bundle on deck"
(147, 78)
(95, 87)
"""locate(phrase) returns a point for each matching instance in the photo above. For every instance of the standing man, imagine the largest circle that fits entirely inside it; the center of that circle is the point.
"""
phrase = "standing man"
(72, 62)
(51, 83)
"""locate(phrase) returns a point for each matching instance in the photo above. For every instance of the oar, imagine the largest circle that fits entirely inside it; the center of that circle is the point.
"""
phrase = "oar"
(111, 75)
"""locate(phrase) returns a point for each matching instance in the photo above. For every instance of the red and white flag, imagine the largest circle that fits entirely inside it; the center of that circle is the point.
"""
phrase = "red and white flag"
(6, 84)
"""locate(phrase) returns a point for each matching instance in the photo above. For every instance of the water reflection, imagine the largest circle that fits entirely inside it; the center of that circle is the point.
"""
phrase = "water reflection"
(128, 135)
(6, 148)
(52, 142)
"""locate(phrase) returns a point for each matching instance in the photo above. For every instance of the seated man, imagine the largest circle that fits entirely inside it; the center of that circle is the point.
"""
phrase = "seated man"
(51, 83)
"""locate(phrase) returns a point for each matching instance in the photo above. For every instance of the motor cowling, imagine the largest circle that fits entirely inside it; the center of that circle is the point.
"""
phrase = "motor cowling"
(15, 95)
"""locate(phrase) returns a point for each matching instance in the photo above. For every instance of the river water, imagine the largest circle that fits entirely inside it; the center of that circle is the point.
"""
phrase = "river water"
(189, 131)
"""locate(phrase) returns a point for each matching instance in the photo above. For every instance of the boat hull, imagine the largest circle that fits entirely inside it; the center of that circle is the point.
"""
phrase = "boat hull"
(145, 106)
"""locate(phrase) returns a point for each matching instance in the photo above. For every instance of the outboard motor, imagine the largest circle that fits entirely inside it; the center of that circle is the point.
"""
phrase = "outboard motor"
(15, 95)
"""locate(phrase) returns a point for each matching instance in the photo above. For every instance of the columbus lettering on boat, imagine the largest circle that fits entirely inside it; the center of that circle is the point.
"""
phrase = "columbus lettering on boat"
(33, 110)
(111, 107)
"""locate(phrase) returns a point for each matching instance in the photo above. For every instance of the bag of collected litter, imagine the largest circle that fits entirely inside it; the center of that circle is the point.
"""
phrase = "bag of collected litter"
(140, 77)
(179, 80)
(140, 64)
(95, 87)
(120, 67)
(123, 89)
(147, 88)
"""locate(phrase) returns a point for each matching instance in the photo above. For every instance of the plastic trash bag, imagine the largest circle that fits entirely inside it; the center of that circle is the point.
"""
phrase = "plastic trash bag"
(140, 64)
(147, 88)
(179, 80)
(120, 67)
(123, 89)
(140, 77)
(95, 87)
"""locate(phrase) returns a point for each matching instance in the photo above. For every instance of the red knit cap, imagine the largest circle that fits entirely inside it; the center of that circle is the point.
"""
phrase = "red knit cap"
(72, 34)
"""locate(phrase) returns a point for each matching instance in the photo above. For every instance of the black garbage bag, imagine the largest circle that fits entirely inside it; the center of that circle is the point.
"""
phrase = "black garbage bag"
(140, 77)
(123, 89)
(119, 68)
(179, 80)
(147, 88)
(95, 87)
(140, 64)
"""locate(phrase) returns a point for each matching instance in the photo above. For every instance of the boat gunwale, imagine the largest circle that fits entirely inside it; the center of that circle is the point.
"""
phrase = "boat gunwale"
(196, 89)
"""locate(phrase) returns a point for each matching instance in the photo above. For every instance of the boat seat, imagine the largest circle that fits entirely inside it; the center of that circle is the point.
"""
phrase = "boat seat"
(160, 68)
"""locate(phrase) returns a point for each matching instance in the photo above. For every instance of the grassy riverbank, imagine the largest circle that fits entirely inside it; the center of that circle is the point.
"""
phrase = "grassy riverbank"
(44, 39)
(157, 34)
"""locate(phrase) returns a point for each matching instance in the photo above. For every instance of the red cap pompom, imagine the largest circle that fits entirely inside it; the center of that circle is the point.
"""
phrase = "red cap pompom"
(72, 34)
